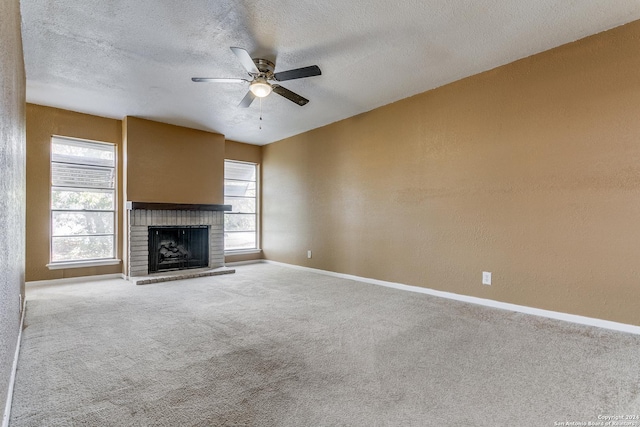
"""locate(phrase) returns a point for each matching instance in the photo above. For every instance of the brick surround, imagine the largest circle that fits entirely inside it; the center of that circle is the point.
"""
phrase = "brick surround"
(138, 234)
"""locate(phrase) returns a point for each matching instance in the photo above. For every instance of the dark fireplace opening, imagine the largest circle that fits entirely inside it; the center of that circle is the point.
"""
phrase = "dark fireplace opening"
(178, 248)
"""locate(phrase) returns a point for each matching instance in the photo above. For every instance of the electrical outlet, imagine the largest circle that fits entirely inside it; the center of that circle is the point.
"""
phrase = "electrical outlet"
(309, 254)
(486, 278)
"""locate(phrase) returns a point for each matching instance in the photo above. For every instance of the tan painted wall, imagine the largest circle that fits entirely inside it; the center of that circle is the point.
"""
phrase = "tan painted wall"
(173, 164)
(12, 189)
(530, 171)
(244, 153)
(42, 123)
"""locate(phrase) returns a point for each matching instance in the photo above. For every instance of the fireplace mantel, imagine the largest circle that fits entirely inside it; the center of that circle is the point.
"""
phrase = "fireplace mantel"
(176, 206)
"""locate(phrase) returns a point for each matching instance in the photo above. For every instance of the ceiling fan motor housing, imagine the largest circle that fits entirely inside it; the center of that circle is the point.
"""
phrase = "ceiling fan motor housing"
(265, 67)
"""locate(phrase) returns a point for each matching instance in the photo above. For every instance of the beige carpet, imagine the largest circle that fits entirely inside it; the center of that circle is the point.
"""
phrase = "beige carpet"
(272, 346)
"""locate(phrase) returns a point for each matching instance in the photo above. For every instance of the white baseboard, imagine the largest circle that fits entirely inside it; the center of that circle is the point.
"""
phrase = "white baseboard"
(247, 262)
(14, 370)
(69, 280)
(572, 318)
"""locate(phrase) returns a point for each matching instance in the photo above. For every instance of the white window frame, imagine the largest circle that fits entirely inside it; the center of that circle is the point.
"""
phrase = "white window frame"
(84, 262)
(256, 249)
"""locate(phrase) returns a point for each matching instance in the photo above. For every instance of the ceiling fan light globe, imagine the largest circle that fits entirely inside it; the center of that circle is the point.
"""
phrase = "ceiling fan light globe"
(260, 88)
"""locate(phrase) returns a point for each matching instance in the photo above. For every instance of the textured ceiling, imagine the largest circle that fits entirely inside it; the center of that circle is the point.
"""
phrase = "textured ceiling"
(121, 58)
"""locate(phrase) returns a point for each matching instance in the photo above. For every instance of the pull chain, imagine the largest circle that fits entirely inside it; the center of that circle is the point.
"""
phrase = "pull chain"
(260, 113)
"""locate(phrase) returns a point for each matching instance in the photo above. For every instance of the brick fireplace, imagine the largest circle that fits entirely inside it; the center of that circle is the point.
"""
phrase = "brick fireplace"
(143, 217)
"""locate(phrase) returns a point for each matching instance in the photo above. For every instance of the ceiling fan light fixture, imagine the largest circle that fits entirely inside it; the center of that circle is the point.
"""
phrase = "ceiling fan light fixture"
(260, 88)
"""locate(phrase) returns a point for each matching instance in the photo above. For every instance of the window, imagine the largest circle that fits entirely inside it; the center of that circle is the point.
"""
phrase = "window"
(83, 215)
(240, 191)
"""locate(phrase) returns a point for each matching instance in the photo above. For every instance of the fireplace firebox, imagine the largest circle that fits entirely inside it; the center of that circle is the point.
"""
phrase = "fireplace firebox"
(178, 248)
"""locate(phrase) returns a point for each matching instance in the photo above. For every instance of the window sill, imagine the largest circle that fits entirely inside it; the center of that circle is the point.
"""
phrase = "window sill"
(81, 264)
(242, 251)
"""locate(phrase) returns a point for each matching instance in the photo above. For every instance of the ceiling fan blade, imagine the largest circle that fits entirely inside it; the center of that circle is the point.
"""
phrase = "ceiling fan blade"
(217, 80)
(245, 59)
(298, 73)
(247, 100)
(291, 96)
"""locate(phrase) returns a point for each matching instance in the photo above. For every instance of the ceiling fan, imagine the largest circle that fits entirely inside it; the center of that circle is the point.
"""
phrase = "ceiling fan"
(262, 73)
